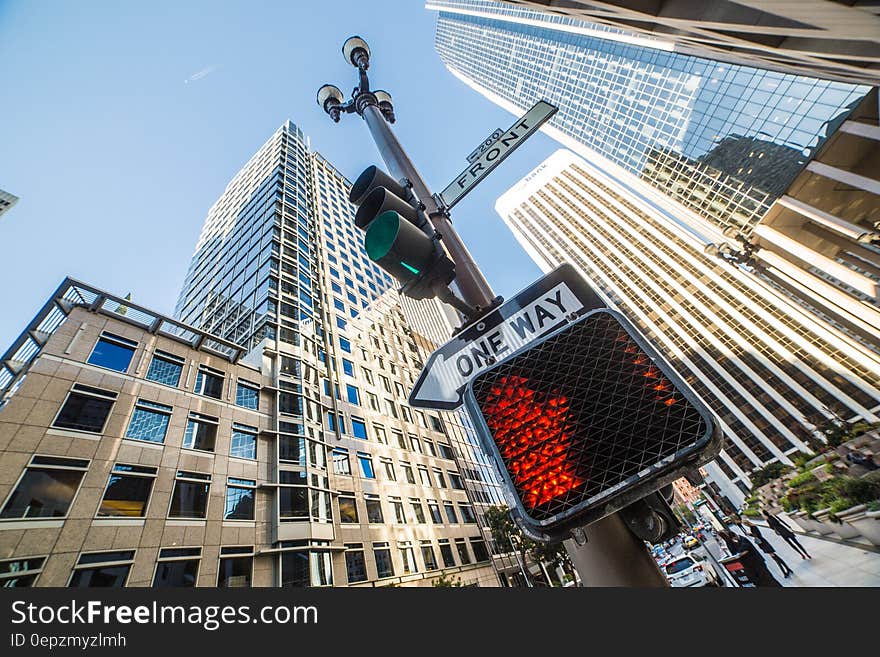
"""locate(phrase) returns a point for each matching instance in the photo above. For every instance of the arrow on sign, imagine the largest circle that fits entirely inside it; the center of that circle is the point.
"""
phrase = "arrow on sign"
(558, 298)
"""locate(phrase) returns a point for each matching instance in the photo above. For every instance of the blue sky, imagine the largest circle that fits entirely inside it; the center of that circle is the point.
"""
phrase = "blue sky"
(123, 122)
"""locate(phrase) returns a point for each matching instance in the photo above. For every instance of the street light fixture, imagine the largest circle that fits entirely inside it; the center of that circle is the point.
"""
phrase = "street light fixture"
(356, 52)
(426, 215)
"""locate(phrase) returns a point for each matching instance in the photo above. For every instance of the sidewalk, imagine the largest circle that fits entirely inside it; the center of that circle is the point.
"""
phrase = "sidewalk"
(833, 564)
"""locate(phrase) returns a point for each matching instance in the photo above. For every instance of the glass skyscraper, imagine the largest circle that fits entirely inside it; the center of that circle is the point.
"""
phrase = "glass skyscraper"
(722, 140)
(368, 488)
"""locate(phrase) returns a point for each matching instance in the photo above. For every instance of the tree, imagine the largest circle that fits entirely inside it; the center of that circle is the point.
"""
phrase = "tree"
(509, 538)
(443, 582)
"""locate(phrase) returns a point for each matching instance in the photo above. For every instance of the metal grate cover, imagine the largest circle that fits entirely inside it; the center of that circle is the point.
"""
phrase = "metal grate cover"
(579, 416)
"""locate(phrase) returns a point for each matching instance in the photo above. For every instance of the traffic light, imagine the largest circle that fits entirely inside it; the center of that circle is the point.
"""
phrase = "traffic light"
(399, 237)
(588, 421)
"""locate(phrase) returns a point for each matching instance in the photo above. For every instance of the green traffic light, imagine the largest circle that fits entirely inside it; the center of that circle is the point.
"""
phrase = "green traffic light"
(381, 235)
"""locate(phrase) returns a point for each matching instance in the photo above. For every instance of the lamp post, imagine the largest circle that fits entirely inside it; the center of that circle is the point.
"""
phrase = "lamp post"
(376, 108)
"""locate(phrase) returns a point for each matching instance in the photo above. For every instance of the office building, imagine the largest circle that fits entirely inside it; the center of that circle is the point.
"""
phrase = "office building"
(711, 128)
(820, 242)
(823, 38)
(758, 359)
(281, 440)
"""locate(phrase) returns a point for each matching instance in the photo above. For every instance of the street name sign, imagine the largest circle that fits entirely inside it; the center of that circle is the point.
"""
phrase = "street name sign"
(557, 299)
(490, 158)
(491, 139)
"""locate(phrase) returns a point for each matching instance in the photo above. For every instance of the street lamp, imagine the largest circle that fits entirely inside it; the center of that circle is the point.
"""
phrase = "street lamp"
(377, 109)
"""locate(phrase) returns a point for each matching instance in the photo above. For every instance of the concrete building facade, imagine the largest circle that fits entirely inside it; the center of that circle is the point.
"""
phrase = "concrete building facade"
(762, 362)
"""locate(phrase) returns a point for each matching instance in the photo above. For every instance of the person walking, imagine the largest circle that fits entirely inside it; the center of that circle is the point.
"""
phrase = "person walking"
(786, 534)
(753, 563)
(767, 548)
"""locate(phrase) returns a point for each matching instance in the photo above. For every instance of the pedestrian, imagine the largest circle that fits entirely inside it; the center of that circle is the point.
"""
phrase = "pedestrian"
(753, 563)
(767, 548)
(784, 532)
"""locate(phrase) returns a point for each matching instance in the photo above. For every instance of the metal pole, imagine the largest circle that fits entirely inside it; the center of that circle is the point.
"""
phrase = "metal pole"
(470, 281)
(613, 556)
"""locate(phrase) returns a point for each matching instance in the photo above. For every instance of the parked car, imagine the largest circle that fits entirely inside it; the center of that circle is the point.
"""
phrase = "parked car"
(690, 570)
(689, 542)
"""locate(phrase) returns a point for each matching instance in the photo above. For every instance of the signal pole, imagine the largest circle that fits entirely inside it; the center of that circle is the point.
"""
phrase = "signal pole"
(607, 553)
(376, 109)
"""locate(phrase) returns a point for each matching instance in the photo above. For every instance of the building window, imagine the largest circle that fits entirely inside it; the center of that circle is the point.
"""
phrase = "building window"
(209, 382)
(178, 567)
(236, 567)
(408, 473)
(428, 555)
(303, 569)
(112, 352)
(21, 572)
(446, 451)
(446, 553)
(408, 558)
(401, 441)
(437, 425)
(355, 566)
(244, 441)
(418, 510)
(392, 410)
(165, 369)
(434, 510)
(149, 421)
(345, 345)
(353, 394)
(381, 436)
(374, 509)
(382, 555)
(389, 469)
(247, 395)
(467, 513)
(455, 481)
(331, 422)
(347, 508)
(424, 476)
(358, 428)
(102, 569)
(430, 449)
(478, 545)
(414, 444)
(293, 496)
(201, 432)
(348, 367)
(450, 513)
(46, 488)
(341, 463)
(128, 491)
(190, 496)
(240, 495)
(438, 477)
(399, 515)
(366, 462)
(463, 554)
(85, 409)
(406, 413)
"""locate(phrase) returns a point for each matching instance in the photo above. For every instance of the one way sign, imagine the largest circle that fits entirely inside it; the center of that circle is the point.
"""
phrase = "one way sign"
(559, 298)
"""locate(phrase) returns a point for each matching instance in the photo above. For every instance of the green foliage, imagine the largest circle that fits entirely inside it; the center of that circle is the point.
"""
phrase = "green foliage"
(509, 538)
(802, 479)
(447, 582)
(769, 472)
(837, 493)
(687, 513)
